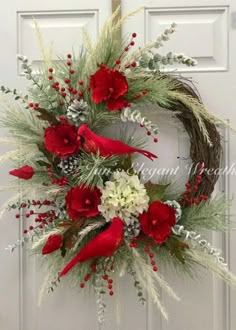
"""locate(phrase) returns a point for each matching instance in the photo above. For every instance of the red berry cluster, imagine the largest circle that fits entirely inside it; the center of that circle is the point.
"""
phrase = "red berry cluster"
(33, 105)
(42, 218)
(60, 181)
(188, 197)
(147, 249)
(109, 283)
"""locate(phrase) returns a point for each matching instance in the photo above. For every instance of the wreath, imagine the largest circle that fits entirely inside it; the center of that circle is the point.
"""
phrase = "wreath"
(93, 215)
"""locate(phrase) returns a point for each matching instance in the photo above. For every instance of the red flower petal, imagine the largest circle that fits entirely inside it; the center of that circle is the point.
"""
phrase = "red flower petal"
(61, 139)
(113, 104)
(82, 201)
(157, 221)
(120, 84)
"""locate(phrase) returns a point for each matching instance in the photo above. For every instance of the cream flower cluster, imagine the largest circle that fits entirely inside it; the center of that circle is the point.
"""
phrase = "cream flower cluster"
(124, 196)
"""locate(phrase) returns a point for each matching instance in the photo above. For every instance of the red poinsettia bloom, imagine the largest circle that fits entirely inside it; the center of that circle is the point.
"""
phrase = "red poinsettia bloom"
(109, 85)
(53, 243)
(61, 139)
(157, 221)
(82, 201)
(24, 172)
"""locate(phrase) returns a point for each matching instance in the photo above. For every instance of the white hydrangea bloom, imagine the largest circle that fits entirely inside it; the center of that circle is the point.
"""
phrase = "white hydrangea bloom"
(124, 196)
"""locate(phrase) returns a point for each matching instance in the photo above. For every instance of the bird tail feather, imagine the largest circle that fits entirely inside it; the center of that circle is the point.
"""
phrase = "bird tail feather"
(69, 265)
(147, 153)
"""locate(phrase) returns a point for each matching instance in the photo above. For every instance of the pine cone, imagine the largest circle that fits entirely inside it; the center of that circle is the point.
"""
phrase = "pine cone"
(69, 164)
(77, 111)
(132, 229)
(176, 206)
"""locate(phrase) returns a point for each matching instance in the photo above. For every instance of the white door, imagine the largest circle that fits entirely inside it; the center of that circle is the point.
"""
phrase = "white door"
(206, 33)
(206, 30)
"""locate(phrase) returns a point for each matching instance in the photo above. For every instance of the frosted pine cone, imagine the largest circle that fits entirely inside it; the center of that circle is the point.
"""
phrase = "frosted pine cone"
(69, 164)
(132, 229)
(77, 111)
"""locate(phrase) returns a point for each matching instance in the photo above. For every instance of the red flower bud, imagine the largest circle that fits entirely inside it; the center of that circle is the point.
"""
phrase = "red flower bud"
(25, 172)
(53, 243)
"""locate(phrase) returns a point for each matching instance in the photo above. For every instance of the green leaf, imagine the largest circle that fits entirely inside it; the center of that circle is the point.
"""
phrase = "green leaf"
(42, 163)
(155, 191)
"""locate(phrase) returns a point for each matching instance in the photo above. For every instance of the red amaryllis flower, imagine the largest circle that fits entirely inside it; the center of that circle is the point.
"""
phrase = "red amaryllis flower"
(24, 172)
(53, 243)
(157, 221)
(61, 139)
(82, 201)
(109, 85)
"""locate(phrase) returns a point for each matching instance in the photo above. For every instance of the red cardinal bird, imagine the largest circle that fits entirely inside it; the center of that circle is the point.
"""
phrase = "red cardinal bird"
(92, 143)
(102, 245)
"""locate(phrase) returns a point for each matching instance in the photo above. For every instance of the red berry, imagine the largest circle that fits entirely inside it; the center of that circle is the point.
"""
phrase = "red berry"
(144, 91)
(27, 215)
(50, 70)
(25, 231)
(31, 227)
(111, 293)
(81, 94)
(61, 104)
(31, 105)
(110, 281)
(134, 35)
(50, 77)
(149, 132)
(151, 255)
(187, 185)
(155, 140)
(82, 285)
(17, 216)
(126, 49)
(81, 82)
(153, 262)
(155, 268)
(63, 94)
(67, 80)
(105, 277)
(72, 71)
(128, 104)
(23, 204)
(69, 63)
(146, 249)
(41, 226)
(132, 43)
(31, 212)
(118, 61)
(110, 286)
(195, 187)
(63, 89)
(74, 91)
(36, 105)
(134, 64)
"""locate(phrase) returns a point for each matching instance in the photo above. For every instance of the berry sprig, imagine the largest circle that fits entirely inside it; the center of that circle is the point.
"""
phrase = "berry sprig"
(55, 179)
(189, 196)
(126, 49)
(147, 249)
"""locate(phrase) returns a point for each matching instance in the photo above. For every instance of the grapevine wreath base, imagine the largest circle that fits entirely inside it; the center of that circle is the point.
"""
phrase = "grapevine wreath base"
(93, 215)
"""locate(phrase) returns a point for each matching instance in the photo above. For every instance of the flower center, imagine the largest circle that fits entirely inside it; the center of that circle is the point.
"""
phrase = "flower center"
(154, 222)
(111, 90)
(66, 141)
(87, 201)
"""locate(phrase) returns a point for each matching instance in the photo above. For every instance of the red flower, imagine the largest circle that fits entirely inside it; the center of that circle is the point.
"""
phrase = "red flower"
(53, 243)
(82, 201)
(61, 139)
(109, 85)
(157, 221)
(25, 172)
